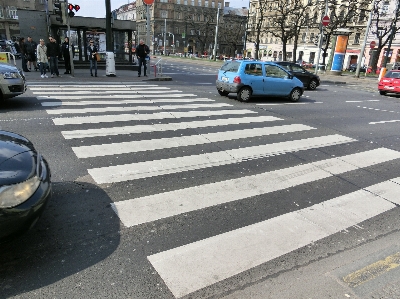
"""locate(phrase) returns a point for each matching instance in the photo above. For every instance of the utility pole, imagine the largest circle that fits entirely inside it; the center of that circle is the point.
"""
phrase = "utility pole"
(110, 61)
(165, 36)
(216, 36)
(321, 36)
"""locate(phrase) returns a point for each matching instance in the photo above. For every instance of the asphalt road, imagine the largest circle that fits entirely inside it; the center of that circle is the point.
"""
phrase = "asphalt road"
(168, 190)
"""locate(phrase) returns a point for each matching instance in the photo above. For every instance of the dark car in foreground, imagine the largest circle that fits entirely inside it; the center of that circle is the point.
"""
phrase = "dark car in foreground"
(390, 83)
(249, 78)
(25, 185)
(310, 80)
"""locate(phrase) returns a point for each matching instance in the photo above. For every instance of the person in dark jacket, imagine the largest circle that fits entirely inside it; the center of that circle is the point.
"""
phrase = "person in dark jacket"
(66, 55)
(24, 54)
(142, 51)
(31, 46)
(92, 53)
(53, 51)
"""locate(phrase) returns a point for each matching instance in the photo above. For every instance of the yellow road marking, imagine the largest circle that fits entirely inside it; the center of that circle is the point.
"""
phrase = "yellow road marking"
(372, 271)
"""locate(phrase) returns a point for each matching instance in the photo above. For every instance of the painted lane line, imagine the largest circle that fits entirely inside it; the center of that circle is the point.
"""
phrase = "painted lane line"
(164, 127)
(164, 143)
(200, 264)
(138, 117)
(116, 102)
(384, 122)
(159, 206)
(120, 173)
(90, 88)
(135, 108)
(110, 96)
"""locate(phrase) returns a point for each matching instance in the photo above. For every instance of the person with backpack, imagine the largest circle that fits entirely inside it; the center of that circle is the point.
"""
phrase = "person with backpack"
(142, 52)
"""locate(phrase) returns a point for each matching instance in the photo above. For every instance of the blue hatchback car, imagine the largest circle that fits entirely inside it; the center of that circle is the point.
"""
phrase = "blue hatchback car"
(257, 78)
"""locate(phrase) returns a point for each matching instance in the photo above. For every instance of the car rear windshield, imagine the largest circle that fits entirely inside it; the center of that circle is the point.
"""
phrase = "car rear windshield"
(230, 66)
(393, 75)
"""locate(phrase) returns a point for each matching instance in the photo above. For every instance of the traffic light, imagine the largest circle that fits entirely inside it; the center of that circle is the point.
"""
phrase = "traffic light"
(60, 11)
(71, 9)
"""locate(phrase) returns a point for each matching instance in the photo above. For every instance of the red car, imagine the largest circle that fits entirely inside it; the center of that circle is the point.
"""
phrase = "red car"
(390, 83)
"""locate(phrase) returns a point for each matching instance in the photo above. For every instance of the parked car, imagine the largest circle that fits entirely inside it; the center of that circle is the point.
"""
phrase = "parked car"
(257, 78)
(310, 80)
(353, 68)
(12, 81)
(25, 185)
(390, 83)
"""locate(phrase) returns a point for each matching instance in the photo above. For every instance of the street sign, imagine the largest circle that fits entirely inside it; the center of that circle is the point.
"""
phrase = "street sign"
(148, 2)
(372, 44)
(325, 21)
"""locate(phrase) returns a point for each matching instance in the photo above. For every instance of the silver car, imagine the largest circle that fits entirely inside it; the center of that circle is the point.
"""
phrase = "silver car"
(12, 81)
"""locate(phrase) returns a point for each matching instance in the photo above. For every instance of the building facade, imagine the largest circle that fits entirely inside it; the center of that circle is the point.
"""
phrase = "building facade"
(9, 20)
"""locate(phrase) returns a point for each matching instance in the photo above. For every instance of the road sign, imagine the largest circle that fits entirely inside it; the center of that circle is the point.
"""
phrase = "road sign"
(372, 44)
(325, 21)
(148, 2)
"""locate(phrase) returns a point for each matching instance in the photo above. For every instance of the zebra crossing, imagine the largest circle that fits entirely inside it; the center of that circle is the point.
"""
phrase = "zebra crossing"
(224, 135)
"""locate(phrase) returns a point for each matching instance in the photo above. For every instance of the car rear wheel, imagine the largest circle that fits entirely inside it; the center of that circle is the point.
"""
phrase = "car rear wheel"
(244, 94)
(295, 94)
(223, 93)
(383, 93)
(313, 84)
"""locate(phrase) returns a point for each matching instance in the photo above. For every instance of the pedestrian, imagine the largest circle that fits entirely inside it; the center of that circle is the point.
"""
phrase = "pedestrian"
(42, 58)
(65, 53)
(24, 54)
(142, 52)
(53, 51)
(92, 53)
(31, 53)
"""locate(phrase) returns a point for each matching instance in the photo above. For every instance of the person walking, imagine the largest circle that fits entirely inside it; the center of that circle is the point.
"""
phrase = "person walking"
(53, 51)
(42, 58)
(142, 51)
(31, 53)
(92, 52)
(24, 54)
(65, 53)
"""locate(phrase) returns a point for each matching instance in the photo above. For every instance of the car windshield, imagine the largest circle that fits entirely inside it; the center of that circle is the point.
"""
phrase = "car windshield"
(231, 66)
(392, 75)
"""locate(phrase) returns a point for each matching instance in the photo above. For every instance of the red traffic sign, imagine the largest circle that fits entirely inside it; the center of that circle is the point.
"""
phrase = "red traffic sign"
(372, 44)
(148, 2)
(325, 21)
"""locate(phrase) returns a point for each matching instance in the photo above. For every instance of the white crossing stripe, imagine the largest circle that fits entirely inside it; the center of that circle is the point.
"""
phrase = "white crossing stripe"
(164, 127)
(136, 108)
(91, 89)
(154, 207)
(110, 96)
(87, 86)
(119, 173)
(120, 90)
(384, 121)
(163, 143)
(116, 102)
(197, 265)
(132, 117)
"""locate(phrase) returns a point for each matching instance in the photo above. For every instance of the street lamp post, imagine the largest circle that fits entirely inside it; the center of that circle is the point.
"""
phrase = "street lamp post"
(216, 36)
(173, 41)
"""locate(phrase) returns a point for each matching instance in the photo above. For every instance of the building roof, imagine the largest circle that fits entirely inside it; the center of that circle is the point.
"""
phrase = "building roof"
(242, 12)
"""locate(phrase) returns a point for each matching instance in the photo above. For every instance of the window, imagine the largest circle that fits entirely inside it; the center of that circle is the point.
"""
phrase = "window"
(192, 2)
(164, 14)
(275, 72)
(206, 3)
(198, 18)
(254, 69)
(199, 2)
(297, 68)
(185, 2)
(213, 4)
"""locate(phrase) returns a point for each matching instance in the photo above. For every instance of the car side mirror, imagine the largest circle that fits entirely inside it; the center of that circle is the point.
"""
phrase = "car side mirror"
(290, 76)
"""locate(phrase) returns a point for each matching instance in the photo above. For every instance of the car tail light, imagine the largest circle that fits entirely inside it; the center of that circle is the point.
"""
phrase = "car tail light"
(237, 80)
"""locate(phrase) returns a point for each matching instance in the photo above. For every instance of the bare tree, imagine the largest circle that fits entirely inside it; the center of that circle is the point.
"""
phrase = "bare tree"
(383, 27)
(231, 29)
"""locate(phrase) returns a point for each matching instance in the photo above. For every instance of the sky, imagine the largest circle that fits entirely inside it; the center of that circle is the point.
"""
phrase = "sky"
(88, 9)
